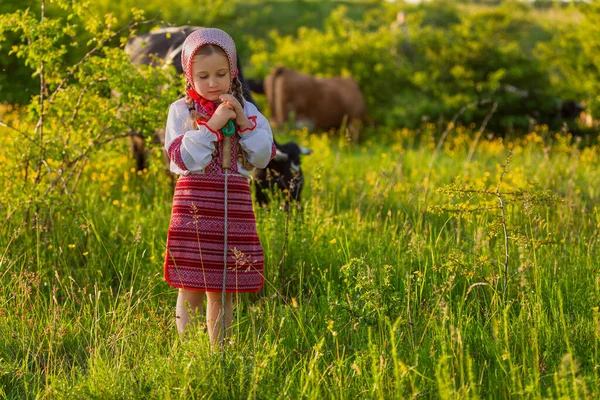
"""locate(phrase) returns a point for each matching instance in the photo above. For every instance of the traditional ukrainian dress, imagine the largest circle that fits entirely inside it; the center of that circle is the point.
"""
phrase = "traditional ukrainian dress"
(194, 256)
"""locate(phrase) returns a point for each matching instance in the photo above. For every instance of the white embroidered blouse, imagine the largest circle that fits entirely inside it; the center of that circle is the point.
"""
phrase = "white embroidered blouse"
(190, 150)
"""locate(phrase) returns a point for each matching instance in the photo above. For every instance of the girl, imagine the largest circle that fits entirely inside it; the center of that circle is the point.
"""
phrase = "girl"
(213, 106)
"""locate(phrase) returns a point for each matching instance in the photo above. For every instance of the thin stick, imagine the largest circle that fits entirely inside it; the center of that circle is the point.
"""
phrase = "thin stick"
(410, 320)
(5, 125)
(226, 166)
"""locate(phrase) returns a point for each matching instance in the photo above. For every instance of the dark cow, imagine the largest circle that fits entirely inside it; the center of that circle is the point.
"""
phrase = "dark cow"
(283, 171)
(256, 85)
(570, 109)
(317, 103)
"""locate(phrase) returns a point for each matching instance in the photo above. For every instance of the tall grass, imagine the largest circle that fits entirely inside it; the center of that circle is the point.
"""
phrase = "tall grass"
(371, 291)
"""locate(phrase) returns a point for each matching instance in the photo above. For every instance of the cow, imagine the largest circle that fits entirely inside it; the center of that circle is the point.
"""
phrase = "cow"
(282, 173)
(317, 103)
(166, 44)
(256, 85)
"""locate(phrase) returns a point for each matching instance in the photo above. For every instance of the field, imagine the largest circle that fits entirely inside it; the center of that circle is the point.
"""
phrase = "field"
(439, 257)
(383, 287)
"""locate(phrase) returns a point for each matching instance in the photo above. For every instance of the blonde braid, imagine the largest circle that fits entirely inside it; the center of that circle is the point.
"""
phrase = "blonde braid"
(236, 90)
(195, 114)
(238, 93)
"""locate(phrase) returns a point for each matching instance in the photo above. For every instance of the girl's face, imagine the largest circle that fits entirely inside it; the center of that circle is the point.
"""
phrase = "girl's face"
(211, 75)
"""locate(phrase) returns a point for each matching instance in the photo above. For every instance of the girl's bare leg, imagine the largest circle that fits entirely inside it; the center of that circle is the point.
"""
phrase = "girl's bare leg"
(189, 306)
(214, 314)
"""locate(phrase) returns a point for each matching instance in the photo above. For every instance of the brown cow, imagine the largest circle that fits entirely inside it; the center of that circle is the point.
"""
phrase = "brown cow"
(317, 103)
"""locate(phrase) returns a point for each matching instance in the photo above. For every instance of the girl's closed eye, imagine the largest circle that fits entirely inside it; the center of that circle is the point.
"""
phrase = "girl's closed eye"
(219, 75)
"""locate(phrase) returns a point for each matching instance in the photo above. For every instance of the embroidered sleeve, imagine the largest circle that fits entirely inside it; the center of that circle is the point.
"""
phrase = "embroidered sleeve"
(253, 120)
(204, 122)
(188, 150)
(175, 153)
(258, 142)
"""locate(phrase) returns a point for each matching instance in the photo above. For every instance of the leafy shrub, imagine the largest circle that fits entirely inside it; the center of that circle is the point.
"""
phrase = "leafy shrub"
(572, 57)
(76, 113)
(370, 293)
(483, 57)
(426, 69)
(345, 48)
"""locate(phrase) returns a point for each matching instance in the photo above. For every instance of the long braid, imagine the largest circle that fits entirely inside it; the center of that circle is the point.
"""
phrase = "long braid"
(236, 90)
(195, 114)
(238, 93)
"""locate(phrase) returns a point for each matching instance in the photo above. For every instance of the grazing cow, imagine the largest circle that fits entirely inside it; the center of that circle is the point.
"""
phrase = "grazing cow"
(318, 103)
(282, 173)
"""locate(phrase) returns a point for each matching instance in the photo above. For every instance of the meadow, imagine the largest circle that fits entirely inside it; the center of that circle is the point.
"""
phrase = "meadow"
(395, 281)
(431, 260)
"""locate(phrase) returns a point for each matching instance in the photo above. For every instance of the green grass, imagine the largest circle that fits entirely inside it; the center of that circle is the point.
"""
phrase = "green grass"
(369, 293)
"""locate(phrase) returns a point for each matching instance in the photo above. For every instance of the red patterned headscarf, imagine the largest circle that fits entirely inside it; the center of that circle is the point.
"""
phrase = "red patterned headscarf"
(199, 38)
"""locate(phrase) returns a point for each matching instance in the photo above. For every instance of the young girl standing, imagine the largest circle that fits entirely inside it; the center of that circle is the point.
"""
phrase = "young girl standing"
(212, 108)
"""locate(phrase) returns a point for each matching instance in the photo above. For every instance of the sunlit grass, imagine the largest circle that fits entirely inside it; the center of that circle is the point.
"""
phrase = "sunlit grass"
(368, 293)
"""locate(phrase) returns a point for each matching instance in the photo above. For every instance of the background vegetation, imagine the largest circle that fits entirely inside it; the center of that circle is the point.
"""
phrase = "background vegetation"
(534, 57)
(453, 253)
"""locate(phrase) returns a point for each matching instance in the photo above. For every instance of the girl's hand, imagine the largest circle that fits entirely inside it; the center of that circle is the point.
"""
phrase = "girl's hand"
(241, 120)
(222, 114)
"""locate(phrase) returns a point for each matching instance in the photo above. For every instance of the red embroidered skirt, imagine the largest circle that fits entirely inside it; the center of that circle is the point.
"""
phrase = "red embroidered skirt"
(195, 242)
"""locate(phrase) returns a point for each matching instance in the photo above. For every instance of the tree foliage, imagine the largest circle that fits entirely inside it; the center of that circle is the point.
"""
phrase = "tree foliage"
(425, 65)
(573, 57)
(82, 107)
(435, 60)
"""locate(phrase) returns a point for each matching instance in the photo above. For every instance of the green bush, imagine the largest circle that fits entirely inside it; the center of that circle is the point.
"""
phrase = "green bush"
(427, 68)
(84, 107)
(572, 57)
(483, 57)
(344, 48)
